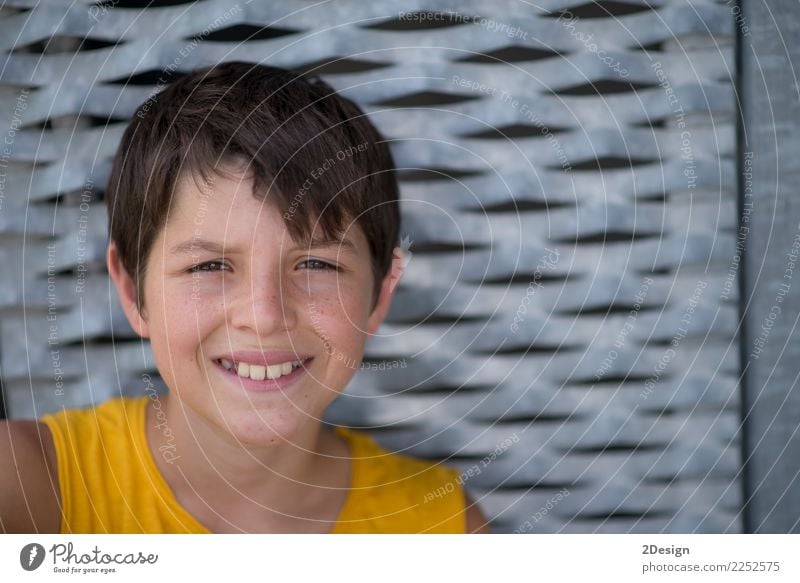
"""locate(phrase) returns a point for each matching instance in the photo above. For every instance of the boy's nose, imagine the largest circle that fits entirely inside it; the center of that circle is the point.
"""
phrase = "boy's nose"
(263, 307)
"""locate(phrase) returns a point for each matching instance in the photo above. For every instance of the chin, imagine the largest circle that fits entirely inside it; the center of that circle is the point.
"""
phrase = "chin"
(265, 428)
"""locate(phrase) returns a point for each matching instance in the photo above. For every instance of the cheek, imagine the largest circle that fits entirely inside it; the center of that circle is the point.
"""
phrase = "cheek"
(186, 313)
(356, 310)
(178, 328)
(351, 298)
(340, 324)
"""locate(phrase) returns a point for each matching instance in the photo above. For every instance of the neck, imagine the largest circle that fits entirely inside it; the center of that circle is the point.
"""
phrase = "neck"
(296, 477)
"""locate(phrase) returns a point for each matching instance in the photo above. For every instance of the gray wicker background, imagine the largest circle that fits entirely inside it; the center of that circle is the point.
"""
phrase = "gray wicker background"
(566, 331)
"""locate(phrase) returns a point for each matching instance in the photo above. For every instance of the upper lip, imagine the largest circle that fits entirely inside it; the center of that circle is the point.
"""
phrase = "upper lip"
(265, 358)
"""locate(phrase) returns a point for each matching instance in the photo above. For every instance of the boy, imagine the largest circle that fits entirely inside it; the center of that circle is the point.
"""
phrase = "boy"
(253, 222)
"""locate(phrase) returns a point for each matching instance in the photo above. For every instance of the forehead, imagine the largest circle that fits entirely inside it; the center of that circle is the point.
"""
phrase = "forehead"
(221, 211)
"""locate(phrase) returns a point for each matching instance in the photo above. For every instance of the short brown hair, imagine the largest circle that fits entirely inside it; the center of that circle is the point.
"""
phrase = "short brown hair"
(286, 126)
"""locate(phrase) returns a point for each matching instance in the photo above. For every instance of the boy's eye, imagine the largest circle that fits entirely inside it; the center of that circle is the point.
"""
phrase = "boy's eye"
(317, 265)
(312, 264)
(207, 266)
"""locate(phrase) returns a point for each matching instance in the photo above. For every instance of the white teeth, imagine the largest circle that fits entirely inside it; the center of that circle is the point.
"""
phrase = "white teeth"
(259, 372)
(274, 371)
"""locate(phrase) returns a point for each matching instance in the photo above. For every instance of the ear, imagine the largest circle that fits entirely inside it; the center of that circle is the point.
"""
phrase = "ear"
(126, 288)
(388, 286)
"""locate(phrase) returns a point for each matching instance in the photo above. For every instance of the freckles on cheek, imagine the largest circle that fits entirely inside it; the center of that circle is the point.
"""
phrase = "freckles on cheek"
(355, 306)
(198, 297)
(347, 301)
(189, 313)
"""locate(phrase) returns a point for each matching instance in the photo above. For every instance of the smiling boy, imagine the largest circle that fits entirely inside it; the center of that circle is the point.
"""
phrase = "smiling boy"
(253, 241)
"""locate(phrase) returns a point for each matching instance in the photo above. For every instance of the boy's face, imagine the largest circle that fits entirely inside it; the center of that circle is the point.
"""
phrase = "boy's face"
(264, 294)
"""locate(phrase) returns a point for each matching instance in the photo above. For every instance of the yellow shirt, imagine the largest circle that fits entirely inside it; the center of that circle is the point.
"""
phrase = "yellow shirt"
(110, 483)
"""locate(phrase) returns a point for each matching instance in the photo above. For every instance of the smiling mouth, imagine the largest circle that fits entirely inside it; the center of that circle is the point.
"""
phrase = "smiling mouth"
(258, 372)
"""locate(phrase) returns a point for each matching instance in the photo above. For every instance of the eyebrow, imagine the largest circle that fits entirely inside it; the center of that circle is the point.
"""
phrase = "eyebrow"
(195, 245)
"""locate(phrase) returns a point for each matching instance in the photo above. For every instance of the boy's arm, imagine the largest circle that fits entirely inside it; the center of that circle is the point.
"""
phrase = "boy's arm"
(476, 521)
(29, 499)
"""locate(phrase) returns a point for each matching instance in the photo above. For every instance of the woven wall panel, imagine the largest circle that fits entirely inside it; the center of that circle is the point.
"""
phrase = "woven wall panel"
(569, 174)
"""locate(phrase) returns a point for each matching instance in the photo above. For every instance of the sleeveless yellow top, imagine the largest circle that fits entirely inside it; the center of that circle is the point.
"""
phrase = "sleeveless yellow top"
(110, 482)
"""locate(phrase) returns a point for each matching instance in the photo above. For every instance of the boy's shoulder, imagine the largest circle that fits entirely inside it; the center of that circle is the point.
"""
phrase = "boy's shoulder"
(401, 493)
(114, 409)
(111, 421)
(382, 468)
(366, 447)
(29, 494)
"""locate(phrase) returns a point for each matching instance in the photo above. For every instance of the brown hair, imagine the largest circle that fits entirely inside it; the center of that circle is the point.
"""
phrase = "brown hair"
(285, 126)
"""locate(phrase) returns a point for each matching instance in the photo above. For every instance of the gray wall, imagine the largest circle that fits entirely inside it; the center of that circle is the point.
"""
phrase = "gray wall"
(569, 320)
